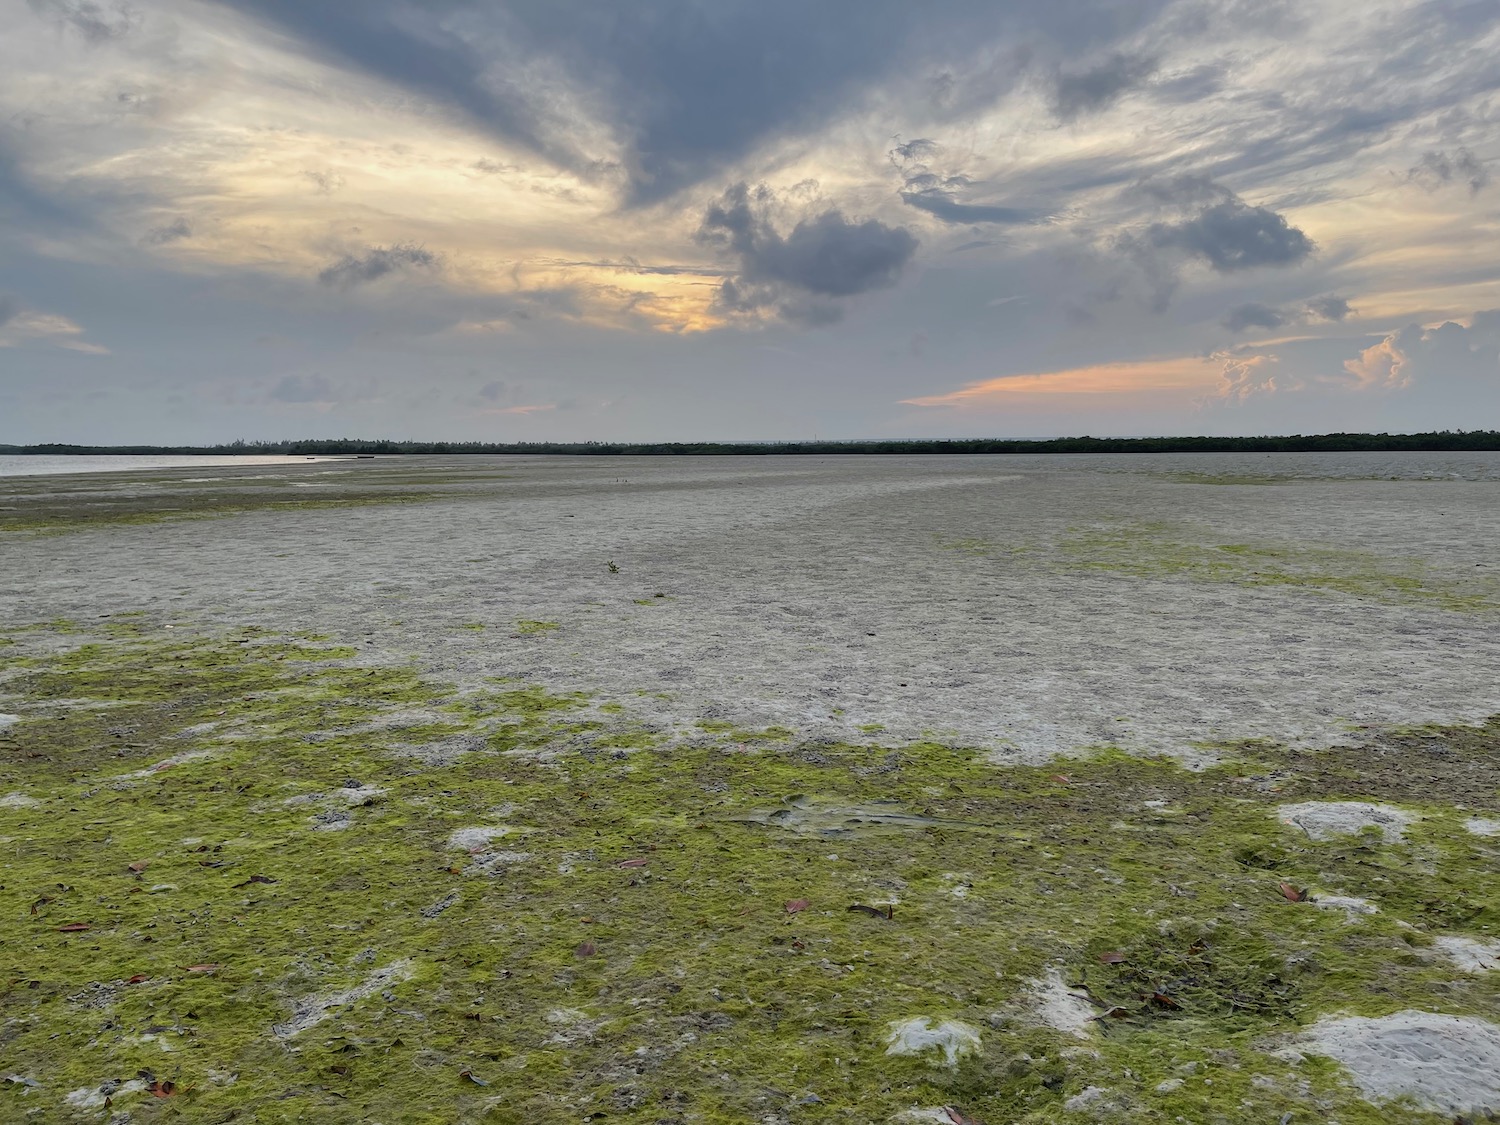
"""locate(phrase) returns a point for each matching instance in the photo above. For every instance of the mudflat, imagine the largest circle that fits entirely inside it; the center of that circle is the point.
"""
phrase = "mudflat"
(753, 789)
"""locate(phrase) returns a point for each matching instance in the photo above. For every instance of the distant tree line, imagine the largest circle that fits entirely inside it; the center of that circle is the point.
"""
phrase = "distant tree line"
(1444, 440)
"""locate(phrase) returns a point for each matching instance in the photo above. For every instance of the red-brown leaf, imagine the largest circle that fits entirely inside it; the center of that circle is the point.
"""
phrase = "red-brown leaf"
(1111, 958)
(204, 968)
(162, 1089)
(138, 978)
(797, 905)
(1293, 894)
(74, 928)
(139, 865)
(585, 949)
(633, 862)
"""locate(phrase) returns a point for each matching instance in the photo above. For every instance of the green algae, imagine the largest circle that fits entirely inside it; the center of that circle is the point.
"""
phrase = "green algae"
(629, 935)
(62, 517)
(532, 628)
(1162, 550)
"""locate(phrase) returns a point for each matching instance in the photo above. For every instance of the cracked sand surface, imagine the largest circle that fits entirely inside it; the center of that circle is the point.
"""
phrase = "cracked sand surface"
(929, 595)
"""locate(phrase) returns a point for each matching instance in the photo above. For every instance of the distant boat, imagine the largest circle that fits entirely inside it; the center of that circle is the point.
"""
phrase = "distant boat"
(364, 456)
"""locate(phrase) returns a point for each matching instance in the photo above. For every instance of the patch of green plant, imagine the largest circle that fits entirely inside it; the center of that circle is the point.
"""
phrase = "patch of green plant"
(230, 866)
(1164, 551)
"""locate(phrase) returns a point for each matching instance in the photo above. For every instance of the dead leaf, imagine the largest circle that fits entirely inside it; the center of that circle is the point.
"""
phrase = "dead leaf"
(873, 911)
(1116, 1013)
(341, 1070)
(1062, 779)
(138, 866)
(797, 905)
(632, 863)
(74, 928)
(1163, 999)
(204, 968)
(1292, 894)
(162, 1089)
(585, 949)
(472, 1077)
(254, 879)
(959, 1118)
(138, 978)
(1111, 958)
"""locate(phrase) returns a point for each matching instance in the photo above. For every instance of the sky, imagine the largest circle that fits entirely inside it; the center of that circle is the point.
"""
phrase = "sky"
(581, 220)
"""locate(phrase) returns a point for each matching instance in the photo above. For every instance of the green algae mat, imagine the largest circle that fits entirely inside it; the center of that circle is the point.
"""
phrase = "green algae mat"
(258, 877)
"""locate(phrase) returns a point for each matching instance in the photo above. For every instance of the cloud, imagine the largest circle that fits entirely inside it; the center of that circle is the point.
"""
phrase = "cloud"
(1092, 88)
(1451, 355)
(928, 188)
(1211, 225)
(21, 325)
(1257, 315)
(1437, 169)
(174, 231)
(676, 92)
(377, 262)
(1253, 315)
(95, 22)
(1131, 377)
(1245, 377)
(826, 256)
(1329, 307)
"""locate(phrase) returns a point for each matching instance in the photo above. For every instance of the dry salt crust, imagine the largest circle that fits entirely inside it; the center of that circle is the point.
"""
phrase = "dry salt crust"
(925, 594)
(1324, 820)
(919, 1034)
(1469, 954)
(1448, 1064)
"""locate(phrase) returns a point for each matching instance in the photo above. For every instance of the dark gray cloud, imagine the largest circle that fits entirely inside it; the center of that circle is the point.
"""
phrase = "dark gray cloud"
(1439, 168)
(824, 257)
(175, 231)
(1209, 224)
(1259, 315)
(98, 23)
(938, 192)
(303, 389)
(689, 86)
(1253, 315)
(1223, 230)
(1088, 89)
(375, 263)
(1329, 307)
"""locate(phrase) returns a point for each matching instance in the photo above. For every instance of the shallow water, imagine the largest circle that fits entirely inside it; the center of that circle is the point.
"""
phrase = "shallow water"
(46, 464)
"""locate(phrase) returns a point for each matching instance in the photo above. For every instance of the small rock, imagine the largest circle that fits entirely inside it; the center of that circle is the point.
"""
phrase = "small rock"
(1085, 1098)
(1170, 1086)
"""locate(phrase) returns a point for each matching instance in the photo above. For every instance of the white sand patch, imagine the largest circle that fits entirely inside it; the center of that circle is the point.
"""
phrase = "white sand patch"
(1469, 954)
(357, 796)
(7, 721)
(18, 801)
(1323, 820)
(1089, 1096)
(1483, 826)
(313, 1010)
(920, 1033)
(1054, 1005)
(93, 1097)
(1352, 906)
(1447, 1064)
(168, 763)
(926, 1113)
(470, 839)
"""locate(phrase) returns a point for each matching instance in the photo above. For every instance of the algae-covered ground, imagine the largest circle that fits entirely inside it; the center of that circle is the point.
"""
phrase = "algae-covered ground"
(370, 849)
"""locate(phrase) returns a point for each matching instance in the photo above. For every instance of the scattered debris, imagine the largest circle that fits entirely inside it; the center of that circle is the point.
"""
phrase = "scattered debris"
(919, 1033)
(1323, 820)
(887, 913)
(440, 905)
(1447, 1064)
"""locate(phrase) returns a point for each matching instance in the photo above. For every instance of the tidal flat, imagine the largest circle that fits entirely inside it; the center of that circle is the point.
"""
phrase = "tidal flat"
(779, 790)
